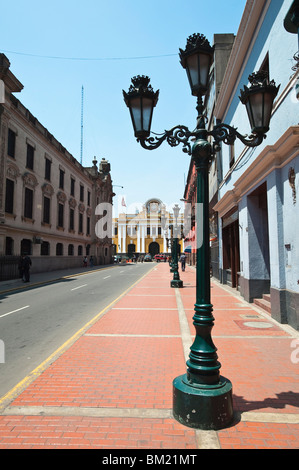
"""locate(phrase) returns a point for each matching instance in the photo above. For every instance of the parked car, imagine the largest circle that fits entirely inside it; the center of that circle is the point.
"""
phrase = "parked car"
(160, 257)
(147, 258)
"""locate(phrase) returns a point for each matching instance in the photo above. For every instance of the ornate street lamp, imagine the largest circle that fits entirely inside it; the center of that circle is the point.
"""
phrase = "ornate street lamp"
(141, 101)
(176, 281)
(201, 397)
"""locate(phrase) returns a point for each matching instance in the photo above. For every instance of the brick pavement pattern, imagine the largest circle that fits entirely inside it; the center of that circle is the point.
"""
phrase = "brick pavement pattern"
(112, 388)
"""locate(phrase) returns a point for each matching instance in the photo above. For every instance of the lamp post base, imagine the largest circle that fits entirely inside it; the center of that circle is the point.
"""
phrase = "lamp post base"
(176, 283)
(207, 407)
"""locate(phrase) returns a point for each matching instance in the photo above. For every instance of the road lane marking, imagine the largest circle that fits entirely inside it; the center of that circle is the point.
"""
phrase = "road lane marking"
(79, 287)
(13, 311)
(106, 277)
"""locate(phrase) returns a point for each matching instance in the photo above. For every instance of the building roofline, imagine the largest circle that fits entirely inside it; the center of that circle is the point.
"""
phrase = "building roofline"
(251, 20)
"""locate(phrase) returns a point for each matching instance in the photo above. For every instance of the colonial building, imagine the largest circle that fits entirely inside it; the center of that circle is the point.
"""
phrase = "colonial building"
(146, 232)
(47, 198)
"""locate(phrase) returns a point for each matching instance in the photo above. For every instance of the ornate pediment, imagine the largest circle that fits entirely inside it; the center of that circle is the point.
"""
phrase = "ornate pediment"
(72, 203)
(61, 197)
(81, 207)
(12, 171)
(47, 189)
(30, 180)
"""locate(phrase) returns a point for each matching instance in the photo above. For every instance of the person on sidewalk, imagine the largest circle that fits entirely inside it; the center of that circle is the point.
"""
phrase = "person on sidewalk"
(25, 266)
(183, 261)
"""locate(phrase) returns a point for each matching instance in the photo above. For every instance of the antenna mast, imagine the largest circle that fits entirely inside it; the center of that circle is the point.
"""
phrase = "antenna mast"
(81, 150)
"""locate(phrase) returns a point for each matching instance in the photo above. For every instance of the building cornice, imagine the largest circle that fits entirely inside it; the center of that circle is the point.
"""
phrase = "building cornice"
(10, 80)
(249, 25)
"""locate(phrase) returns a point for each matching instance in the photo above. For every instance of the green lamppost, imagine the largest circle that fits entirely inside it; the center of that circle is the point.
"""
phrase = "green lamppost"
(201, 397)
(176, 281)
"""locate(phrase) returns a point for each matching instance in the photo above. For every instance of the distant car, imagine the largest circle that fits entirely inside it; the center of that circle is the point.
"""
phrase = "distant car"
(160, 257)
(147, 258)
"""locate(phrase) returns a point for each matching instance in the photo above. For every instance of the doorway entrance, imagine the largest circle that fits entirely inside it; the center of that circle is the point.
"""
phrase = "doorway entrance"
(154, 248)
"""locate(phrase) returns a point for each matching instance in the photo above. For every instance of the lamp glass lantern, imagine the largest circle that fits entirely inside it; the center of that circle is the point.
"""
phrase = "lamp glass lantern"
(258, 100)
(141, 100)
(197, 59)
(176, 210)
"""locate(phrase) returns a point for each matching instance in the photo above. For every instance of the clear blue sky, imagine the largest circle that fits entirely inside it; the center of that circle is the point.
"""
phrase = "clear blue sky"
(56, 47)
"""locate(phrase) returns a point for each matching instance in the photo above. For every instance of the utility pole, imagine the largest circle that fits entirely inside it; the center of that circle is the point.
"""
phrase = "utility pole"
(82, 101)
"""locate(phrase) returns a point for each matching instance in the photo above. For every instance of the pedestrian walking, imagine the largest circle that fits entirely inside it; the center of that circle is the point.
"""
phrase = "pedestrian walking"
(25, 267)
(85, 262)
(183, 261)
(91, 261)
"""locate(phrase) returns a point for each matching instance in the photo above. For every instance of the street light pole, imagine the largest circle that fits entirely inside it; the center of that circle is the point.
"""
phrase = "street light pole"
(201, 397)
(176, 281)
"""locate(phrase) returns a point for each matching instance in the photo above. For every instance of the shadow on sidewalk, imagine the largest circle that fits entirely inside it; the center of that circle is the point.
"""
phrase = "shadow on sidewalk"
(282, 399)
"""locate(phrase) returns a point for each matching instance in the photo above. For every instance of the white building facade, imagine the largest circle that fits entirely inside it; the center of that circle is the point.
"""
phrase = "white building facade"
(258, 204)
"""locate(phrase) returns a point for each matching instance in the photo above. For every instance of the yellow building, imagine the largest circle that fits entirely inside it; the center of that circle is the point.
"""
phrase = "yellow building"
(147, 231)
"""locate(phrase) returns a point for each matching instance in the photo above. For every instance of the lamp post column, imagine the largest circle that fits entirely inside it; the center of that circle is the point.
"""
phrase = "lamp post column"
(176, 281)
(202, 398)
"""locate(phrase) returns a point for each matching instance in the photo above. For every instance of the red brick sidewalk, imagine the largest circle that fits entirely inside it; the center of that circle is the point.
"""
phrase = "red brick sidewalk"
(112, 388)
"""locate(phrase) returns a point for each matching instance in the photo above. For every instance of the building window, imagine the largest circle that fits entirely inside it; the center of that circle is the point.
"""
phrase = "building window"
(81, 193)
(88, 198)
(59, 249)
(45, 249)
(9, 243)
(9, 196)
(80, 250)
(72, 187)
(30, 157)
(72, 225)
(48, 169)
(11, 147)
(80, 223)
(265, 65)
(61, 179)
(46, 211)
(71, 250)
(60, 214)
(231, 155)
(88, 226)
(28, 206)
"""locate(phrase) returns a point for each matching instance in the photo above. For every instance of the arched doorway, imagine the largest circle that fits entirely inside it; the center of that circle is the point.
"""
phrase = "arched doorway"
(154, 248)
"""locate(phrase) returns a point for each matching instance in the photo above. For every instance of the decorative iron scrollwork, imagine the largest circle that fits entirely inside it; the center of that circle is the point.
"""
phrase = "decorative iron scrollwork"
(228, 134)
(175, 136)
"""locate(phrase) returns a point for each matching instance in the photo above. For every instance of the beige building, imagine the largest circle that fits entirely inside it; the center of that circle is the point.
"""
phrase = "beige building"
(145, 232)
(47, 198)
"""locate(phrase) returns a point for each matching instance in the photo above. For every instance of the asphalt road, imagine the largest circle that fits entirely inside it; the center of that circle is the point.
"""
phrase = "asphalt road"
(36, 321)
